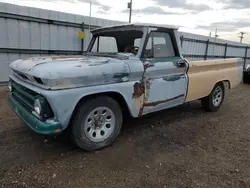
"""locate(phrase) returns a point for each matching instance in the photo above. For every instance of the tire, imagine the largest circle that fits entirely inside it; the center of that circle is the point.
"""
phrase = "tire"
(102, 130)
(208, 102)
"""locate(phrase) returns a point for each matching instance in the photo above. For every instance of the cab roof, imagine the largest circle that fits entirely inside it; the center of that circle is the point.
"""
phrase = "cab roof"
(157, 26)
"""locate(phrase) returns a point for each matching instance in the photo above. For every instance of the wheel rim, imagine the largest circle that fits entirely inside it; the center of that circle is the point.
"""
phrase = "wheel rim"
(99, 124)
(217, 96)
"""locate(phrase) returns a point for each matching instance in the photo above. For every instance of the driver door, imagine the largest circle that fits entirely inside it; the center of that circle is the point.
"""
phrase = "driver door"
(164, 73)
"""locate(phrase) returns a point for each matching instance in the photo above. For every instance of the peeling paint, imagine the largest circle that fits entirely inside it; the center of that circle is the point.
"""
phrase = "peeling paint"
(121, 77)
(172, 78)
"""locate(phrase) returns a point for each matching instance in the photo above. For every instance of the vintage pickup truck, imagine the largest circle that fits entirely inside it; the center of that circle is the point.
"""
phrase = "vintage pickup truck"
(131, 68)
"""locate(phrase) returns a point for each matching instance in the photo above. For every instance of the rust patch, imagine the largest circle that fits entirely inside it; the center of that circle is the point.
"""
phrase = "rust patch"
(163, 101)
(141, 90)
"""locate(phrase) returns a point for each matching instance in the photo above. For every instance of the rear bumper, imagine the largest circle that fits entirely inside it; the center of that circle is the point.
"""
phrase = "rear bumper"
(42, 127)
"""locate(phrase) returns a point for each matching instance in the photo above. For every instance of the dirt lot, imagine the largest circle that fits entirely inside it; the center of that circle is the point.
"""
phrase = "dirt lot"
(181, 147)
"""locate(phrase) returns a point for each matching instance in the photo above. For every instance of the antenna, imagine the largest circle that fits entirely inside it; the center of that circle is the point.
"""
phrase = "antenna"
(242, 36)
(90, 10)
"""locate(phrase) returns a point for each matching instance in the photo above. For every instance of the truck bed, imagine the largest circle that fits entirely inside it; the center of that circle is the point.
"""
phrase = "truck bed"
(203, 75)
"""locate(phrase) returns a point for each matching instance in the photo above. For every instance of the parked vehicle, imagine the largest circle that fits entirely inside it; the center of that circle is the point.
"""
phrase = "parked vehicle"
(246, 74)
(127, 68)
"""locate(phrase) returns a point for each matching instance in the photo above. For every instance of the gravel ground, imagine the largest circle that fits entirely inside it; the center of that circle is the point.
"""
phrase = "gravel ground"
(180, 147)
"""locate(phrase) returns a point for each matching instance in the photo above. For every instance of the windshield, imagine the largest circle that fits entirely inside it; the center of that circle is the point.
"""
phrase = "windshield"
(117, 42)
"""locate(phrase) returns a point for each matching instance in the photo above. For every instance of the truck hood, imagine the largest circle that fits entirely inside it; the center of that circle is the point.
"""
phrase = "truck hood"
(61, 72)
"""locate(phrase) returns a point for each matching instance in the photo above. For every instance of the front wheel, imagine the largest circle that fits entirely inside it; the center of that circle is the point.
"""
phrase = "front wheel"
(96, 123)
(214, 100)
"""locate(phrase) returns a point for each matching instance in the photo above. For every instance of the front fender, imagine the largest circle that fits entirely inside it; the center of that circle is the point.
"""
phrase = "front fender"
(63, 102)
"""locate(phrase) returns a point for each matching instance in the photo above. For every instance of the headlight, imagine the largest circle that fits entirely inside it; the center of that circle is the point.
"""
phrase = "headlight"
(37, 106)
(42, 108)
(10, 86)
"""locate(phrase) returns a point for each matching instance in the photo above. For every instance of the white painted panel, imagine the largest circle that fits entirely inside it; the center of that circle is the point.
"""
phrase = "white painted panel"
(71, 18)
(44, 13)
(53, 15)
(11, 8)
(4, 59)
(71, 36)
(248, 52)
(34, 12)
(62, 37)
(35, 35)
(77, 41)
(63, 16)
(24, 56)
(231, 51)
(216, 50)
(4, 33)
(79, 19)
(4, 74)
(23, 10)
(12, 57)
(24, 35)
(53, 37)
(13, 37)
(2, 7)
(36, 55)
(45, 36)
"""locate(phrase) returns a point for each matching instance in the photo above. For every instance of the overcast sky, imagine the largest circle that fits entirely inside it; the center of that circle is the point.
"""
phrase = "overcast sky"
(195, 16)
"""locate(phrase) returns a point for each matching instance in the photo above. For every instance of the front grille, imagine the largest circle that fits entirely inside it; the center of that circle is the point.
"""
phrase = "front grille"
(23, 95)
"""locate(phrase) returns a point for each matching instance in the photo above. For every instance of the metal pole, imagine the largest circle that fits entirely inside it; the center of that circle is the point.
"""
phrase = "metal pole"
(90, 7)
(241, 36)
(130, 11)
(225, 52)
(82, 41)
(206, 50)
(182, 38)
(245, 59)
(215, 37)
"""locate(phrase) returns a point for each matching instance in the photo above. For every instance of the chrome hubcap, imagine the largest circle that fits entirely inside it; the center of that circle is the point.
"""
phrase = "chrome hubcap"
(99, 124)
(217, 96)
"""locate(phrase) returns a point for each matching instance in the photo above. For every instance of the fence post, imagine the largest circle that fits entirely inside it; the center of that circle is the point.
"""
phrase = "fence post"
(82, 40)
(245, 58)
(225, 53)
(182, 40)
(206, 51)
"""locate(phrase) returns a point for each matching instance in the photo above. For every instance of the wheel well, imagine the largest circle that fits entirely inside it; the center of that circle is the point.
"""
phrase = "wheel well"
(226, 84)
(114, 95)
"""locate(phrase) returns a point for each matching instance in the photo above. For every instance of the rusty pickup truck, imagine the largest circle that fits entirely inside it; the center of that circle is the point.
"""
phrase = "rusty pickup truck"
(133, 68)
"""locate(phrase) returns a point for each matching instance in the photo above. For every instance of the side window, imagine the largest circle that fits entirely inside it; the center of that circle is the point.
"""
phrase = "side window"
(106, 44)
(137, 42)
(161, 46)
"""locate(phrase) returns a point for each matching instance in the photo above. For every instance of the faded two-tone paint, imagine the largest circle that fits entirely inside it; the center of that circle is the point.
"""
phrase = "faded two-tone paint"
(203, 75)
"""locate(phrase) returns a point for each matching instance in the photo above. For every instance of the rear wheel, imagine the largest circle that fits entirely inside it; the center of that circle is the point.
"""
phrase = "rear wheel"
(215, 99)
(96, 123)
